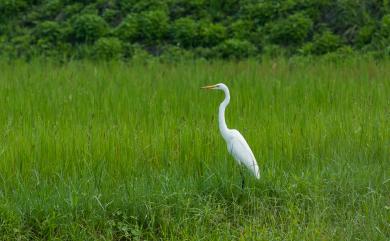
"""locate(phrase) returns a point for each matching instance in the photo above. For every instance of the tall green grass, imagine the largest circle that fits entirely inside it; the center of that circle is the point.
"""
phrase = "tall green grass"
(132, 151)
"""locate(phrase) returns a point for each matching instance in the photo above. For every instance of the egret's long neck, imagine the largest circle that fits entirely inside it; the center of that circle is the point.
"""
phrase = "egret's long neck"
(221, 115)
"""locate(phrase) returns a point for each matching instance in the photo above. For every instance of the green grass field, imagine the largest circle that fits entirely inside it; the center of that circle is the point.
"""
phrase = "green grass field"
(132, 151)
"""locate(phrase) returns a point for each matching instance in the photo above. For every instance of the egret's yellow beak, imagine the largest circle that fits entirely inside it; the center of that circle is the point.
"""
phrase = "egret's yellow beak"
(210, 87)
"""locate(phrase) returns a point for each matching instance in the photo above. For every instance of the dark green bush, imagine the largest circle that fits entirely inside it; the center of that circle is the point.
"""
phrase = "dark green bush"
(110, 15)
(260, 12)
(345, 17)
(11, 7)
(364, 35)
(211, 34)
(150, 5)
(72, 9)
(128, 29)
(52, 7)
(187, 8)
(207, 28)
(147, 27)
(50, 31)
(138, 6)
(380, 39)
(338, 56)
(60, 50)
(185, 32)
(229, 7)
(241, 29)
(290, 31)
(90, 9)
(20, 47)
(235, 48)
(108, 48)
(153, 25)
(140, 55)
(325, 43)
(172, 54)
(89, 27)
(385, 26)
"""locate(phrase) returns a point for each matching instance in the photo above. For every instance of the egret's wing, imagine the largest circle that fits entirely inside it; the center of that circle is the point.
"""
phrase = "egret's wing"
(241, 151)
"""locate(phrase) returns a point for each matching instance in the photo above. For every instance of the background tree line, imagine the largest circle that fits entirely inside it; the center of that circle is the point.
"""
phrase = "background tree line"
(107, 29)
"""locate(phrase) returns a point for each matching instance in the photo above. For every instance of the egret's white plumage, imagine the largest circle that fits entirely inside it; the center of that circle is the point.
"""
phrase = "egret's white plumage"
(236, 144)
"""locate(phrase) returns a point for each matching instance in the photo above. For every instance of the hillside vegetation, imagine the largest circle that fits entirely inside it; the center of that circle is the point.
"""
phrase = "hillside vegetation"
(109, 29)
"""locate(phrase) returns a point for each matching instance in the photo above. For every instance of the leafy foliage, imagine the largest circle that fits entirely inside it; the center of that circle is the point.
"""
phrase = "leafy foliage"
(50, 31)
(89, 27)
(385, 26)
(324, 43)
(211, 34)
(241, 29)
(185, 32)
(153, 25)
(235, 48)
(10, 7)
(291, 30)
(108, 48)
(128, 29)
(273, 28)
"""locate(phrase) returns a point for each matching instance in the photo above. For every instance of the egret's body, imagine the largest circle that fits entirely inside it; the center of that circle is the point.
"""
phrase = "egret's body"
(236, 144)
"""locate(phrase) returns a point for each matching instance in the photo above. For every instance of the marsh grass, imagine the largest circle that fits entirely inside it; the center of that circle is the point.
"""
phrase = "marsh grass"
(132, 151)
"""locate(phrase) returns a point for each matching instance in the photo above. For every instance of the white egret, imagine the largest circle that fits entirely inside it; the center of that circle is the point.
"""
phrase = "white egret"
(236, 144)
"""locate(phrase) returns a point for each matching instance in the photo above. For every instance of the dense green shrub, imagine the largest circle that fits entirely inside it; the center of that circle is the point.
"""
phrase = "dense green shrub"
(72, 9)
(291, 30)
(19, 46)
(338, 56)
(50, 31)
(260, 12)
(210, 34)
(128, 29)
(235, 48)
(187, 8)
(323, 43)
(90, 9)
(386, 6)
(153, 25)
(364, 35)
(140, 55)
(138, 6)
(241, 29)
(147, 27)
(52, 7)
(89, 27)
(11, 7)
(110, 15)
(185, 32)
(228, 7)
(379, 40)
(108, 48)
(209, 29)
(385, 26)
(345, 17)
(171, 54)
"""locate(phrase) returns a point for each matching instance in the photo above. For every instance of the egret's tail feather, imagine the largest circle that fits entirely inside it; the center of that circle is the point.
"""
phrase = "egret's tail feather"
(257, 172)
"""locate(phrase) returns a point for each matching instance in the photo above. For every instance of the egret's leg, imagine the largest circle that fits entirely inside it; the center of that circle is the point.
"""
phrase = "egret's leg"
(242, 179)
